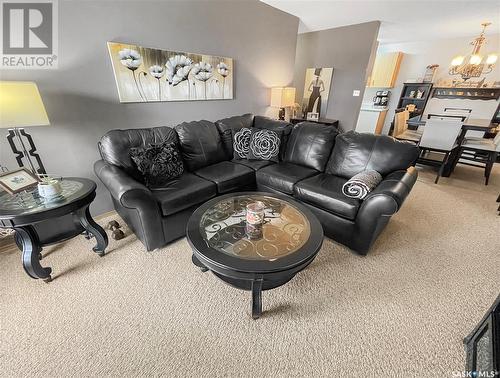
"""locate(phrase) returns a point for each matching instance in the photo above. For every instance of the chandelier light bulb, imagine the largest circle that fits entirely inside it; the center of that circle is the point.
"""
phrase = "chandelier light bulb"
(492, 59)
(475, 59)
(458, 60)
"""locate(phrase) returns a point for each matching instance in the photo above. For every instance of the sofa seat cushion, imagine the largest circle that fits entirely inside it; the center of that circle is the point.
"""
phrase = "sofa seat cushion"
(183, 192)
(228, 176)
(325, 191)
(254, 164)
(283, 176)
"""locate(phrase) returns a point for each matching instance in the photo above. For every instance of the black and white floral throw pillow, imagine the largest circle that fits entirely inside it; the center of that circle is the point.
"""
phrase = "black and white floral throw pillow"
(264, 145)
(158, 163)
(241, 143)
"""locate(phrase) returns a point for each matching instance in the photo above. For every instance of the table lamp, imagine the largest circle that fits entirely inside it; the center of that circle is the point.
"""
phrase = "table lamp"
(21, 106)
(282, 98)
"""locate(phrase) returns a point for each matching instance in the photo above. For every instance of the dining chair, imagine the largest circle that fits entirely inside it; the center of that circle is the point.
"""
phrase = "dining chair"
(401, 131)
(440, 136)
(467, 113)
(460, 111)
(482, 153)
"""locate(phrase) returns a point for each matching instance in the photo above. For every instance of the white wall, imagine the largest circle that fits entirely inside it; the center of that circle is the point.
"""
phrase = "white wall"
(348, 50)
(418, 55)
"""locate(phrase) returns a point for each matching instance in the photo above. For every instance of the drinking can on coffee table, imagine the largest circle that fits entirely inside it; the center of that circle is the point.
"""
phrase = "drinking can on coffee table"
(254, 219)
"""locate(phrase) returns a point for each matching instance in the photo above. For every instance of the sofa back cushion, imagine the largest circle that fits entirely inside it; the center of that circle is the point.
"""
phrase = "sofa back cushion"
(355, 152)
(115, 145)
(310, 145)
(201, 144)
(228, 126)
(284, 127)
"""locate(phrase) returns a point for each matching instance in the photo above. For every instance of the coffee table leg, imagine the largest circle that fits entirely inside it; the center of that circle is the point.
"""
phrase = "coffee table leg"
(28, 239)
(93, 228)
(257, 298)
(198, 263)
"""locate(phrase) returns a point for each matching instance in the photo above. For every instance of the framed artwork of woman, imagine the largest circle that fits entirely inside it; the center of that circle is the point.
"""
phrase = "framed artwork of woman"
(316, 90)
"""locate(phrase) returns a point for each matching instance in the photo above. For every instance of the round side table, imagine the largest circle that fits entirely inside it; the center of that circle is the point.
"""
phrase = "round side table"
(39, 222)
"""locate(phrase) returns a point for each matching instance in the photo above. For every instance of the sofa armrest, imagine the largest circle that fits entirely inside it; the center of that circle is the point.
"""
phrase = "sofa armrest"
(396, 185)
(378, 207)
(134, 202)
(123, 188)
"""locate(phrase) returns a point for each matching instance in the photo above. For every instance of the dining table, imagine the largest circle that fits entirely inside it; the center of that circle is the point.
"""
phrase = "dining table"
(476, 124)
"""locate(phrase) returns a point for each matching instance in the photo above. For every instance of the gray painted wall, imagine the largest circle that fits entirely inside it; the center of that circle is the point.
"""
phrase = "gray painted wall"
(348, 50)
(81, 97)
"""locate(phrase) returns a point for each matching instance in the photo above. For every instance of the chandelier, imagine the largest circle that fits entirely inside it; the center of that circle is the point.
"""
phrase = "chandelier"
(472, 65)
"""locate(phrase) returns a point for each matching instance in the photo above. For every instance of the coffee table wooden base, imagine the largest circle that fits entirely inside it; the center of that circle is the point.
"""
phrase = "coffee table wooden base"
(219, 237)
(256, 283)
(257, 298)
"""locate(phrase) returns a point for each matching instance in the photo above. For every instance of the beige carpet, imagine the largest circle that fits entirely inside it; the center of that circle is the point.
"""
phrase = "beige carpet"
(401, 311)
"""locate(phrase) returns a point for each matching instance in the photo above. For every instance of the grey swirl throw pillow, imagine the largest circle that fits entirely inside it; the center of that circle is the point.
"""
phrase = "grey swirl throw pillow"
(264, 145)
(361, 184)
(241, 143)
(158, 163)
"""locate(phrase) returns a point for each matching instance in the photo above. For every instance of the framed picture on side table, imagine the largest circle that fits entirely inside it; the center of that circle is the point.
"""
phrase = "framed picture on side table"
(16, 181)
(311, 116)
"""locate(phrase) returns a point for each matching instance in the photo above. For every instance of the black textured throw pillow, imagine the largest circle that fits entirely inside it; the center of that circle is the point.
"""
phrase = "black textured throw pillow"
(241, 142)
(264, 145)
(158, 163)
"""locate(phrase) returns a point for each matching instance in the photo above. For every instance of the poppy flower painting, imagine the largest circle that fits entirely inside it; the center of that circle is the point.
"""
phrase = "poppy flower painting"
(150, 75)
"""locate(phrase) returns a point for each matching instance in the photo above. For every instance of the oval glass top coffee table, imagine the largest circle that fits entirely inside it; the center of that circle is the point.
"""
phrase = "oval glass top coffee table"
(289, 240)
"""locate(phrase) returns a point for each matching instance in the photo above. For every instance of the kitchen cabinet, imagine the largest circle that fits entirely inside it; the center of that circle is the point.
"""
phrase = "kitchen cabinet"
(385, 70)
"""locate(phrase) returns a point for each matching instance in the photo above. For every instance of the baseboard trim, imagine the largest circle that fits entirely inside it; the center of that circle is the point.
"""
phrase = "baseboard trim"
(105, 215)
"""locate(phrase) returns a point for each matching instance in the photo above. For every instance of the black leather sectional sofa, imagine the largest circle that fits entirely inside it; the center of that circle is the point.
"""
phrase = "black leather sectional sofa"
(315, 161)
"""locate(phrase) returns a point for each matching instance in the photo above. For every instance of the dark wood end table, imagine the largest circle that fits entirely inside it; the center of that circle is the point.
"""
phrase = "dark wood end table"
(291, 238)
(39, 222)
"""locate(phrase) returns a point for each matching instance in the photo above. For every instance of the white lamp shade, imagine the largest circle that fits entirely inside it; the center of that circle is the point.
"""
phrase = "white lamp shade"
(282, 97)
(21, 105)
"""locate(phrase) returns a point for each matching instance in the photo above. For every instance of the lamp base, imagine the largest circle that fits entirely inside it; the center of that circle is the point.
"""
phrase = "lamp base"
(281, 114)
(20, 133)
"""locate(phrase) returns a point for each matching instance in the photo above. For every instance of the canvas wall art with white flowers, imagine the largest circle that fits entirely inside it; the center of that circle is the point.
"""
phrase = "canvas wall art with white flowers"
(150, 75)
